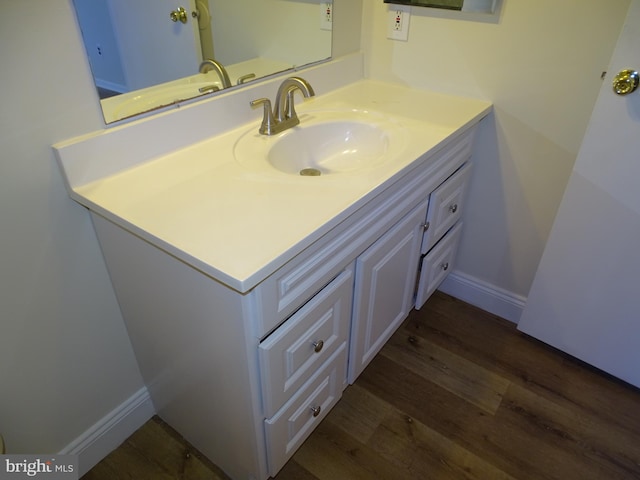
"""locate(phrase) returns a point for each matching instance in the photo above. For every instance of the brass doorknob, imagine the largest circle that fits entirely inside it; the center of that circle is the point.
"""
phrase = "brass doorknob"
(626, 82)
(179, 14)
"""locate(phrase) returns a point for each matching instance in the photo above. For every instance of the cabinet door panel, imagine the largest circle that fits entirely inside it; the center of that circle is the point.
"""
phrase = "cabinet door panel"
(385, 281)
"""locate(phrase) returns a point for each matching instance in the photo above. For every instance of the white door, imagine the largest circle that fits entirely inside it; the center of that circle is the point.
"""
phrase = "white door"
(153, 48)
(585, 298)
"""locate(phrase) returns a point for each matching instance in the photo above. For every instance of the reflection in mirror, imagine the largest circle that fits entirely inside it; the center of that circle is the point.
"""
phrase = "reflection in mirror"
(147, 54)
(480, 6)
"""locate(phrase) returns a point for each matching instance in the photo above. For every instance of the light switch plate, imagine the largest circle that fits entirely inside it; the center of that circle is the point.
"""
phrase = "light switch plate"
(398, 27)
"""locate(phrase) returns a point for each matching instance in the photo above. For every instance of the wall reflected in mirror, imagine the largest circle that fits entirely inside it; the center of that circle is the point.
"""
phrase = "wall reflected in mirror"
(146, 54)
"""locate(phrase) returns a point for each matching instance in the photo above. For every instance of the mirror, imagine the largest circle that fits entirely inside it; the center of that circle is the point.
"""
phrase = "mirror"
(147, 54)
(479, 6)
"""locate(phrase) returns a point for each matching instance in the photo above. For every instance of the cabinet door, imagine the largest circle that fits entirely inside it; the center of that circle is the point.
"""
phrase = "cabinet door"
(384, 285)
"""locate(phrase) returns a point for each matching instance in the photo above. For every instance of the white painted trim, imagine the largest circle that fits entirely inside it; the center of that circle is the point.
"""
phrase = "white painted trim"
(484, 295)
(110, 431)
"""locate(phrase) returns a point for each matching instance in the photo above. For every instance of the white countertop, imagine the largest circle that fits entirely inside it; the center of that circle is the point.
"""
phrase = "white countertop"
(239, 224)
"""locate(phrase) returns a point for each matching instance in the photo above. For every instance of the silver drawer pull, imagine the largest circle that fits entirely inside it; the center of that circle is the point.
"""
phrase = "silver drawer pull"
(316, 410)
(317, 346)
(453, 208)
(425, 226)
(445, 266)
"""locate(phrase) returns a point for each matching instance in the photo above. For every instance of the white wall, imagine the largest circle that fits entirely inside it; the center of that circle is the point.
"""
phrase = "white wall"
(65, 357)
(540, 65)
(347, 23)
(282, 30)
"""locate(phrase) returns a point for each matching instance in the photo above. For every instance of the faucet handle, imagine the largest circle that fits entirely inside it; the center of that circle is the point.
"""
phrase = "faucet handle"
(268, 121)
(289, 110)
(245, 78)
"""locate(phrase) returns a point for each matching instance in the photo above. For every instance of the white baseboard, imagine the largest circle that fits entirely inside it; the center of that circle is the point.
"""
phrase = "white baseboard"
(109, 432)
(486, 296)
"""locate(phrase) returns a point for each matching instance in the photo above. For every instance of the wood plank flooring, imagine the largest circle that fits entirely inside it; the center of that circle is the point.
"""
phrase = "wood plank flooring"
(457, 393)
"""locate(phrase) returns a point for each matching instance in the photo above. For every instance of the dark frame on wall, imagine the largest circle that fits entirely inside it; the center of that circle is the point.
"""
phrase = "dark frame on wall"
(447, 4)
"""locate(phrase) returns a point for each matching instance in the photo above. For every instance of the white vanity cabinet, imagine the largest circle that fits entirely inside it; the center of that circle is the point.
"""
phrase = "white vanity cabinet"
(246, 376)
(253, 297)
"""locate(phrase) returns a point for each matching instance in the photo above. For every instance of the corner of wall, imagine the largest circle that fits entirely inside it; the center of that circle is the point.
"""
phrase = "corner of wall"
(110, 431)
(495, 300)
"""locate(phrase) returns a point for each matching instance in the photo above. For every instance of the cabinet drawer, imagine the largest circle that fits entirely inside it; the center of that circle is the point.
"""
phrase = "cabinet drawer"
(293, 352)
(286, 431)
(445, 206)
(437, 264)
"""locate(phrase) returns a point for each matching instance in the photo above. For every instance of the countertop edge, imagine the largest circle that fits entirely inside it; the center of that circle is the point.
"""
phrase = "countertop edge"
(245, 285)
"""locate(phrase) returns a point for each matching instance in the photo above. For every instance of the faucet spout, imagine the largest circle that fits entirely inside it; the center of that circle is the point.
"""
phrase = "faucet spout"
(284, 108)
(210, 64)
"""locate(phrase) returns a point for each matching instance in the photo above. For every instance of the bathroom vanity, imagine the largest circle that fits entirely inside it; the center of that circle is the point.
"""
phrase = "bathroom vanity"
(253, 296)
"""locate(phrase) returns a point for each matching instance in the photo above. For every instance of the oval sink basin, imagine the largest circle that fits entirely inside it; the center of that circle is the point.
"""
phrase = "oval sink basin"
(330, 147)
(323, 143)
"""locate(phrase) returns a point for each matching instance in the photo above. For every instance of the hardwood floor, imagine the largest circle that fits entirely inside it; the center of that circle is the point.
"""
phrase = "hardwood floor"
(456, 393)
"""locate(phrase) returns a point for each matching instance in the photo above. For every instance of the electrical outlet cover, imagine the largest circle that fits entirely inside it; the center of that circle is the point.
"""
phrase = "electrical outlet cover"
(398, 27)
(326, 15)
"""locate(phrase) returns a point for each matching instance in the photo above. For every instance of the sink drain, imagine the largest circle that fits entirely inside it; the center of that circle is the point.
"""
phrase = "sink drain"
(310, 172)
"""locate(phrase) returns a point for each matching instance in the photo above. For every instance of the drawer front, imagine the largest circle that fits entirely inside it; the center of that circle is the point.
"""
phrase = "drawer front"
(437, 264)
(290, 355)
(286, 431)
(445, 206)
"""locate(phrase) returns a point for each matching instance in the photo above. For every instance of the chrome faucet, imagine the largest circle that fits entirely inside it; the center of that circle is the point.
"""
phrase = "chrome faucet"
(210, 64)
(284, 115)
